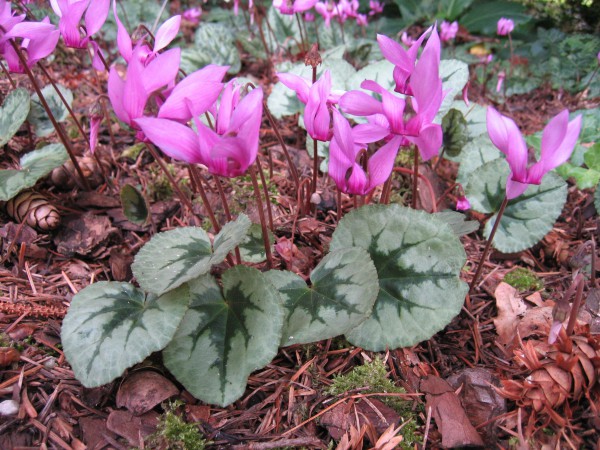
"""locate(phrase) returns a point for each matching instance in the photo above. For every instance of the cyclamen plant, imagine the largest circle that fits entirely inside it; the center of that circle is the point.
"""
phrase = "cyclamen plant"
(214, 330)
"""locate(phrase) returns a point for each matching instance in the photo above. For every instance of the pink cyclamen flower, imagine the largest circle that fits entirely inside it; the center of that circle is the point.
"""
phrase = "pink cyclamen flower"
(192, 15)
(404, 60)
(229, 149)
(406, 39)
(71, 12)
(448, 30)
(328, 10)
(375, 7)
(558, 140)
(38, 40)
(505, 26)
(462, 203)
(163, 37)
(290, 7)
(344, 159)
(317, 98)
(129, 96)
(309, 17)
(362, 20)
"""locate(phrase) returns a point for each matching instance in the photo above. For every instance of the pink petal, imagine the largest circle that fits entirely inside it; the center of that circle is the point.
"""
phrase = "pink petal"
(96, 57)
(369, 132)
(116, 87)
(514, 188)
(360, 104)
(162, 70)
(166, 33)
(94, 128)
(123, 38)
(394, 52)
(69, 23)
(229, 99)
(174, 139)
(342, 132)
(95, 15)
(380, 165)
(41, 47)
(429, 141)
(135, 95)
(248, 111)
(357, 182)
(559, 139)
(296, 83)
(505, 135)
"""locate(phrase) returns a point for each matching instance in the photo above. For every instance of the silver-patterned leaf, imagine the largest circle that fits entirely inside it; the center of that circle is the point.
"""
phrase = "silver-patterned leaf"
(343, 289)
(37, 115)
(226, 334)
(418, 260)
(13, 113)
(173, 257)
(527, 218)
(34, 165)
(111, 326)
(252, 249)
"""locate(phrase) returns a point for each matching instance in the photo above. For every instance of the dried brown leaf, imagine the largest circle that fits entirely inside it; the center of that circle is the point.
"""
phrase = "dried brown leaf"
(510, 308)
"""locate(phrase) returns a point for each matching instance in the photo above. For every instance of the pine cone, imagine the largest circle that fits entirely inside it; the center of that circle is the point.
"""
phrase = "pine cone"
(65, 177)
(558, 372)
(33, 209)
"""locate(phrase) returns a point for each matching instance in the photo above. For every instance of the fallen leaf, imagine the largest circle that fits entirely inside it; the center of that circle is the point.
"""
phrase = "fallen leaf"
(84, 235)
(133, 428)
(143, 390)
(22, 331)
(510, 307)
(93, 430)
(535, 321)
(449, 414)
(481, 401)
(8, 355)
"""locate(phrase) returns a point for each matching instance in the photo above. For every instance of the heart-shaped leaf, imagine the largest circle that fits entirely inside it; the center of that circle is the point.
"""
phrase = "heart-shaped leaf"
(134, 205)
(454, 75)
(476, 153)
(173, 257)
(458, 222)
(252, 248)
(343, 289)
(214, 44)
(13, 113)
(34, 165)
(226, 334)
(111, 326)
(37, 115)
(418, 260)
(527, 218)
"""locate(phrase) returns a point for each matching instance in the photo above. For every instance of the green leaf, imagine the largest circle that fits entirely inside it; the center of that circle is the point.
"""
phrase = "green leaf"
(592, 157)
(458, 222)
(527, 218)
(381, 72)
(13, 113)
(454, 75)
(584, 178)
(226, 334)
(476, 153)
(34, 165)
(37, 115)
(252, 248)
(597, 199)
(134, 205)
(214, 44)
(451, 9)
(111, 326)
(173, 257)
(483, 16)
(343, 289)
(455, 131)
(418, 260)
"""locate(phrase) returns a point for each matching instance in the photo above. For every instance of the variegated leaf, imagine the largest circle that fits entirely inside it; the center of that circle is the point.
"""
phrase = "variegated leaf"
(171, 258)
(111, 326)
(418, 260)
(343, 289)
(226, 334)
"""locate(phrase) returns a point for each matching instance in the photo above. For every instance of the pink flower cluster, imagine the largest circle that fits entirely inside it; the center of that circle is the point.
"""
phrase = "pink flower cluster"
(394, 120)
(38, 39)
(150, 85)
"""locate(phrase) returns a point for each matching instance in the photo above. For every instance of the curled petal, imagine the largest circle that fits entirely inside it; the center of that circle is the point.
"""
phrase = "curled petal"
(380, 165)
(95, 16)
(296, 83)
(360, 104)
(559, 139)
(123, 39)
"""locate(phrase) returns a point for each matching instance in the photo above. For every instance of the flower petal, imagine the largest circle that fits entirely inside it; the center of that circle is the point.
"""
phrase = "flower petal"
(174, 139)
(95, 16)
(380, 165)
(162, 70)
(123, 39)
(559, 139)
(296, 83)
(360, 104)
(166, 33)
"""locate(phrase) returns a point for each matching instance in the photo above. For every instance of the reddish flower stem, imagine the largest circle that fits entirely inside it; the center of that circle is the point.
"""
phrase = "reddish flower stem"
(261, 215)
(59, 130)
(488, 244)
(415, 179)
(425, 180)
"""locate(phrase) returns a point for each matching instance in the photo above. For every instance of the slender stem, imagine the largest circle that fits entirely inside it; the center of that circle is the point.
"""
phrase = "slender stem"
(339, 204)
(575, 307)
(587, 85)
(293, 170)
(261, 215)
(510, 43)
(77, 122)
(446, 192)
(262, 38)
(488, 244)
(7, 73)
(415, 179)
(59, 130)
(238, 257)
(302, 40)
(103, 99)
(425, 180)
(198, 180)
(385, 191)
(184, 199)
(263, 181)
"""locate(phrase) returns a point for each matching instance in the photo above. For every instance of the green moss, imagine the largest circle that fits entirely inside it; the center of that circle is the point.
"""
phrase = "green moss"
(174, 433)
(523, 280)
